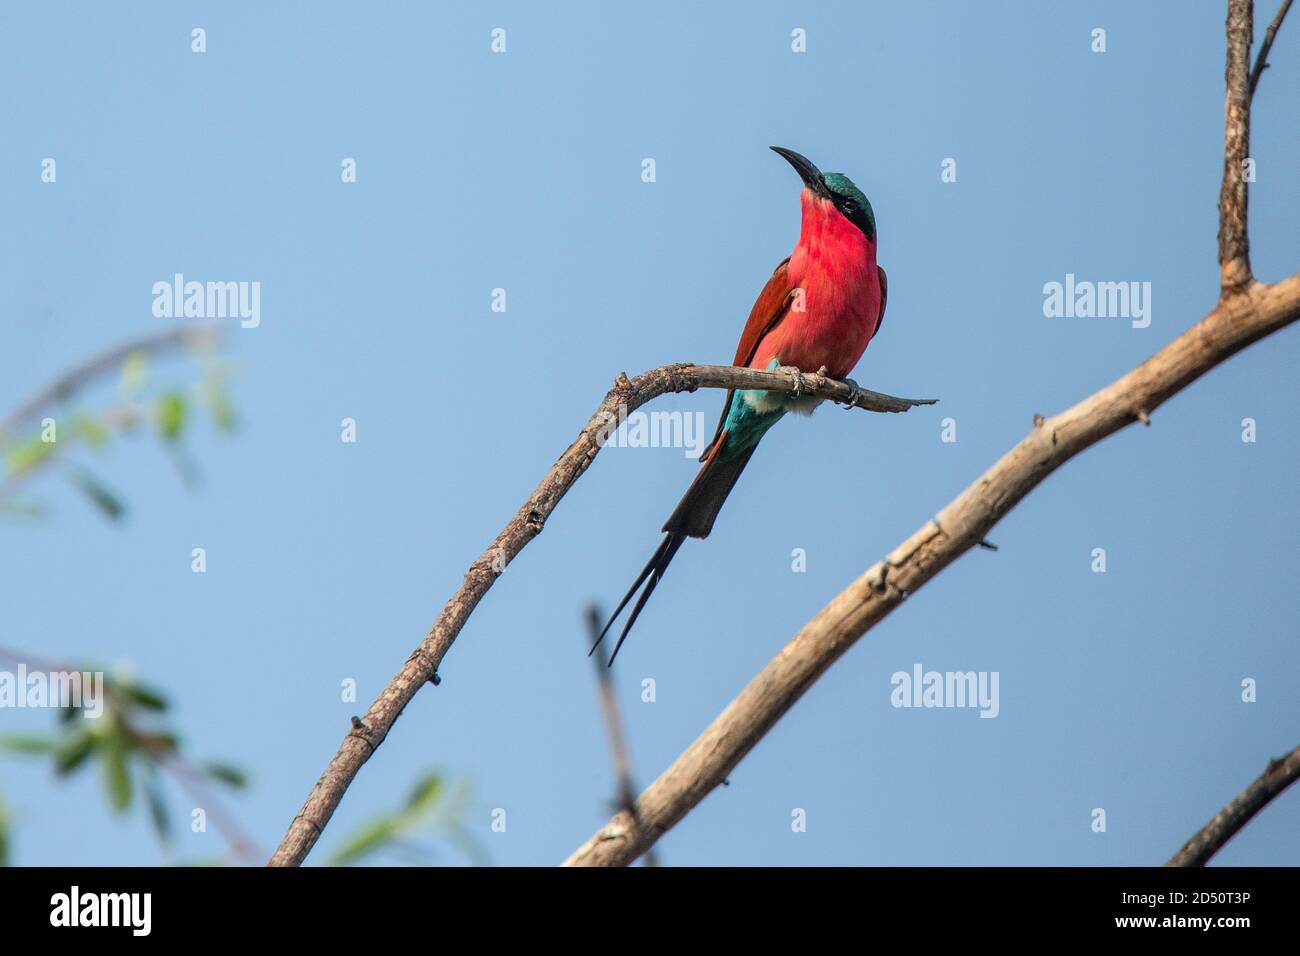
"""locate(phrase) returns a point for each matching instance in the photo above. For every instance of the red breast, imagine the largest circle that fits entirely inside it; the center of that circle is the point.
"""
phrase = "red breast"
(837, 311)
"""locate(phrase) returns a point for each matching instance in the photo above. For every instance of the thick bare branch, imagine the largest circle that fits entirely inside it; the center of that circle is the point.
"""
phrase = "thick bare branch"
(1261, 61)
(1234, 323)
(1280, 774)
(626, 396)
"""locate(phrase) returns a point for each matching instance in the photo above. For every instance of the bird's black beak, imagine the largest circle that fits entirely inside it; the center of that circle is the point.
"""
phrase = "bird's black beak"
(810, 174)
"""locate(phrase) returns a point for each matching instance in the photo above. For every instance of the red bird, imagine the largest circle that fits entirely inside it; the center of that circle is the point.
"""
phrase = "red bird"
(818, 311)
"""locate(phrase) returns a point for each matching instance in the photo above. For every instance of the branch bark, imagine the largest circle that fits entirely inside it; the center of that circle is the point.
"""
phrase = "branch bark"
(1280, 774)
(1234, 323)
(422, 666)
(1234, 242)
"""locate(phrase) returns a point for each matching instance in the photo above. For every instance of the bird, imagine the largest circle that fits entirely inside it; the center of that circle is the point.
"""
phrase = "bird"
(819, 310)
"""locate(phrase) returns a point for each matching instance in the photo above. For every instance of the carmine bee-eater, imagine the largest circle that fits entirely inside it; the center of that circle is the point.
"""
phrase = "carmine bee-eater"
(819, 310)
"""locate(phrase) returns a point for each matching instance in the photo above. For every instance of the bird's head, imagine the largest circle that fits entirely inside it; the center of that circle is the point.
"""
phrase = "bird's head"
(836, 188)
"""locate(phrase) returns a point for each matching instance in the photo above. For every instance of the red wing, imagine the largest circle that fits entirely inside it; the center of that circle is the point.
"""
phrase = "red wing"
(771, 307)
(766, 313)
(884, 297)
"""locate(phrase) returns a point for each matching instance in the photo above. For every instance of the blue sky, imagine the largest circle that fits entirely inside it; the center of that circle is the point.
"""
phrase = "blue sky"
(522, 171)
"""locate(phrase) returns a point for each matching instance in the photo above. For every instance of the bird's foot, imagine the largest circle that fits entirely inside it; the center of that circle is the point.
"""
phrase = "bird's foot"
(854, 392)
(796, 378)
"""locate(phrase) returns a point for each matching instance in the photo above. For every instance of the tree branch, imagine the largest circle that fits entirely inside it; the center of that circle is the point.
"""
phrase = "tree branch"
(618, 750)
(1234, 323)
(198, 335)
(627, 395)
(1280, 774)
(1245, 313)
(1234, 240)
(1261, 61)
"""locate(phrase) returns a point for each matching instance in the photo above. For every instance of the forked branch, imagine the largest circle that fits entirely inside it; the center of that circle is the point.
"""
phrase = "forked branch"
(626, 396)
(1246, 312)
(1235, 323)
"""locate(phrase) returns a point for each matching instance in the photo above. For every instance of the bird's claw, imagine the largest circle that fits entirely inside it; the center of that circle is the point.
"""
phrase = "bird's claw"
(821, 376)
(854, 392)
(796, 378)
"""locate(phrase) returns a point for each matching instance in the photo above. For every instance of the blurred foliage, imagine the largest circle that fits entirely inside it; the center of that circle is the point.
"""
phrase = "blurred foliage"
(433, 811)
(129, 740)
(132, 744)
(169, 412)
(107, 501)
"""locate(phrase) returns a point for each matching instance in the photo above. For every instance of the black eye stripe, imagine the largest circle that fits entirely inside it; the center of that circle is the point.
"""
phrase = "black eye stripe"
(856, 214)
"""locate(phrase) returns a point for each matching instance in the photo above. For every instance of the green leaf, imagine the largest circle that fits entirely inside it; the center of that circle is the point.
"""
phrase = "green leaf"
(103, 499)
(90, 429)
(425, 793)
(72, 753)
(134, 371)
(231, 776)
(426, 810)
(28, 455)
(219, 406)
(223, 416)
(28, 744)
(171, 415)
(117, 772)
(373, 836)
(4, 836)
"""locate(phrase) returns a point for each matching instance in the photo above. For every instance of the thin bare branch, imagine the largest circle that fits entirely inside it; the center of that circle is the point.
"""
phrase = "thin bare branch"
(1234, 323)
(1280, 774)
(422, 666)
(1261, 61)
(195, 784)
(618, 749)
(1234, 238)
(196, 336)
